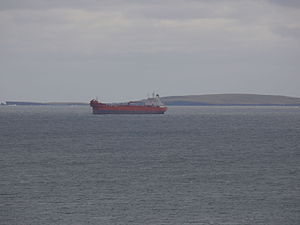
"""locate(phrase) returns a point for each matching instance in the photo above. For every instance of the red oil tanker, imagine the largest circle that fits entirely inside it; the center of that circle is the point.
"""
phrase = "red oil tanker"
(150, 106)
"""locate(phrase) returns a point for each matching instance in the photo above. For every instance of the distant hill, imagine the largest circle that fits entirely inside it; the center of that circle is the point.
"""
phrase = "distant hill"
(199, 100)
(231, 100)
(45, 103)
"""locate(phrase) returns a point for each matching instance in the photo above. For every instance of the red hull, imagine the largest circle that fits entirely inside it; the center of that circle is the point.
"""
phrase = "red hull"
(100, 108)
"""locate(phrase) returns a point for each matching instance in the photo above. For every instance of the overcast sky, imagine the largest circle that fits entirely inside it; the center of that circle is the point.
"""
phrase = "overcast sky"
(118, 50)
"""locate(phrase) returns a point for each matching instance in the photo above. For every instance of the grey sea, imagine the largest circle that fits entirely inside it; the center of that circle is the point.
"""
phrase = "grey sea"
(193, 165)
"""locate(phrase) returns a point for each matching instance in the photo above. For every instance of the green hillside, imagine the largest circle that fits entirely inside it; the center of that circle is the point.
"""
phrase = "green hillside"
(231, 99)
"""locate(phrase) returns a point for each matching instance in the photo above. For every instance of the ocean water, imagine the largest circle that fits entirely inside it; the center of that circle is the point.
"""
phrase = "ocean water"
(193, 165)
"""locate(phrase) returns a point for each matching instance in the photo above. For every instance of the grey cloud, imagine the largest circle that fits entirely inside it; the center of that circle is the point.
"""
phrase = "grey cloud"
(96, 4)
(173, 46)
(184, 10)
(75, 4)
(288, 3)
(46, 4)
(285, 31)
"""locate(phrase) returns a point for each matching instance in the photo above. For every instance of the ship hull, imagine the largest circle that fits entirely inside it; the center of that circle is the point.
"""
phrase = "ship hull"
(125, 112)
(129, 108)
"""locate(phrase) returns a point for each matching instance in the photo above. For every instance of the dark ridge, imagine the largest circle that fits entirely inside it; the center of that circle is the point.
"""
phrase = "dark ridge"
(48, 103)
(231, 100)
